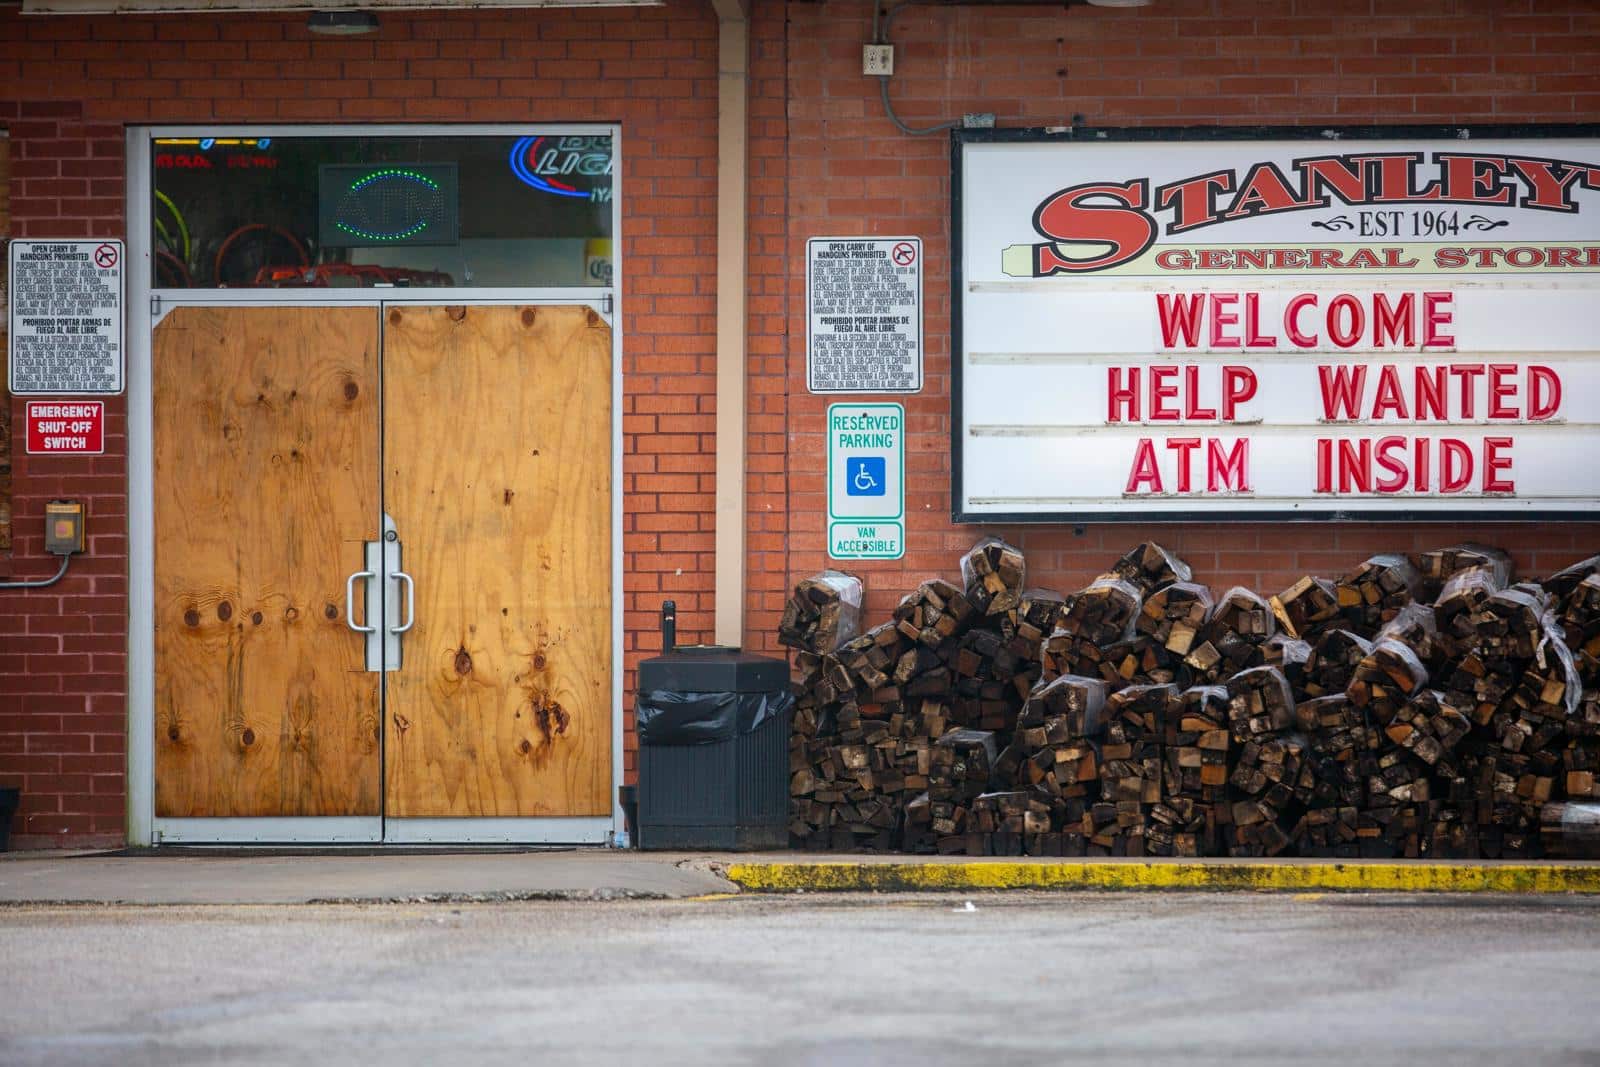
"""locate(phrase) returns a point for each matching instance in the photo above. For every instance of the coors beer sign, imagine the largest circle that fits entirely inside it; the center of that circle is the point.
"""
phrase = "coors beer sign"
(1293, 328)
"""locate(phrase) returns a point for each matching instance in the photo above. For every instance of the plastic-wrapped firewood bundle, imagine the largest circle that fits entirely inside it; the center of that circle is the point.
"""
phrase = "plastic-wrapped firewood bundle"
(1195, 786)
(1580, 753)
(823, 612)
(1260, 704)
(1439, 565)
(1571, 830)
(1342, 746)
(1131, 771)
(1306, 608)
(1333, 662)
(1102, 611)
(1511, 624)
(1415, 627)
(994, 573)
(1149, 567)
(1387, 677)
(1270, 772)
(1289, 656)
(1054, 750)
(1333, 832)
(1465, 596)
(1078, 702)
(1037, 614)
(1232, 639)
(1561, 584)
(1174, 615)
(936, 612)
(1094, 618)
(1275, 781)
(1431, 728)
(1004, 823)
(1580, 621)
(961, 766)
(1374, 592)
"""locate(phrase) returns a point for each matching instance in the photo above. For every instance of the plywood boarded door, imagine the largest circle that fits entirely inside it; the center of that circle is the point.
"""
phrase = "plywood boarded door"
(497, 474)
(266, 486)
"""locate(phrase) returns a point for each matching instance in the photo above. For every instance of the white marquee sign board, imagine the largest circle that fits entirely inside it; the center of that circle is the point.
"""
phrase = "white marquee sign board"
(1292, 328)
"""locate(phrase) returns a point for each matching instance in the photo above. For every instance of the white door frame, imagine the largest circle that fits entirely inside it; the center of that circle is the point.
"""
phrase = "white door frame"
(146, 307)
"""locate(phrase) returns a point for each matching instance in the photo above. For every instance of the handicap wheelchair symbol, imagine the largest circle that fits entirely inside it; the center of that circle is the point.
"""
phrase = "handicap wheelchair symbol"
(866, 476)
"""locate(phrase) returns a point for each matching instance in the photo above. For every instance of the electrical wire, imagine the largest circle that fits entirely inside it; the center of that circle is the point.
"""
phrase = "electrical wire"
(881, 37)
(42, 582)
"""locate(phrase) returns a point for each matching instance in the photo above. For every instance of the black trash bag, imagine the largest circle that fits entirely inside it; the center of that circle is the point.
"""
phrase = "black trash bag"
(668, 717)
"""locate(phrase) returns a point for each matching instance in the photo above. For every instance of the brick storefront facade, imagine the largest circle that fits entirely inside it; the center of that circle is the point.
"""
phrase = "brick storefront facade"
(823, 160)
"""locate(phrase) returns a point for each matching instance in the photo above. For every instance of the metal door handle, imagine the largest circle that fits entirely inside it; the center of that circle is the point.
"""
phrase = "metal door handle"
(350, 602)
(411, 603)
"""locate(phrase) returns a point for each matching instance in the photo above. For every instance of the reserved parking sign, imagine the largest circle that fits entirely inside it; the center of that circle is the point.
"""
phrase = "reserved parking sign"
(866, 481)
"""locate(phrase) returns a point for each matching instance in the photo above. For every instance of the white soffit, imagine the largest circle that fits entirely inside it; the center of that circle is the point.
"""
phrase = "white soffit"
(152, 7)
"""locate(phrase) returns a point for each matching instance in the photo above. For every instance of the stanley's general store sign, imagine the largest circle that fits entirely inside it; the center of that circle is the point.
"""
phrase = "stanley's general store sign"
(1249, 327)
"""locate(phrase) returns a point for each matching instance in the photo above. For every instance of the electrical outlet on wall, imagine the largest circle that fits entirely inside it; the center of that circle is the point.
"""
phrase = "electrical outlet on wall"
(877, 59)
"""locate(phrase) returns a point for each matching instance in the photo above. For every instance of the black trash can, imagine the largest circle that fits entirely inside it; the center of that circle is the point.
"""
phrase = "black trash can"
(713, 725)
(10, 798)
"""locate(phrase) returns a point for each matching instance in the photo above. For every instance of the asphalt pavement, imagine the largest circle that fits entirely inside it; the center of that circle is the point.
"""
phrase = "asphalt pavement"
(836, 980)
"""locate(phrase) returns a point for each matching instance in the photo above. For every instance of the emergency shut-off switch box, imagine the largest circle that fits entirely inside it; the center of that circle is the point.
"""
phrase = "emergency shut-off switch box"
(63, 527)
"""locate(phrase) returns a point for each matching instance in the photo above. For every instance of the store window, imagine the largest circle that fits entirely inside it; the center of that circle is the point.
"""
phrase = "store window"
(530, 210)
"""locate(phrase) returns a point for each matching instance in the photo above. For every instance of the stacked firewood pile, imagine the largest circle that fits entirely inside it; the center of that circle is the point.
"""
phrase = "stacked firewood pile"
(1427, 706)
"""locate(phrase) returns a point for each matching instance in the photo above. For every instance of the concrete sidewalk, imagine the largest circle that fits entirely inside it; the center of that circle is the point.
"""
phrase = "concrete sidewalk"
(304, 876)
(299, 877)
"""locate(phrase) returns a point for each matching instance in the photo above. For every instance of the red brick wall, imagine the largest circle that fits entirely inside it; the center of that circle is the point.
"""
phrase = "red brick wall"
(63, 649)
(70, 86)
(1175, 63)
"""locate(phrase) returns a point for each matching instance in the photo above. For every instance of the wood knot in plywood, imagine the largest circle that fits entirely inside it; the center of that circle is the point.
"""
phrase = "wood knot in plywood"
(255, 617)
(224, 611)
(191, 618)
(395, 316)
(330, 611)
(401, 723)
(248, 737)
(351, 390)
(506, 497)
(529, 316)
(551, 717)
(457, 312)
(463, 661)
(593, 317)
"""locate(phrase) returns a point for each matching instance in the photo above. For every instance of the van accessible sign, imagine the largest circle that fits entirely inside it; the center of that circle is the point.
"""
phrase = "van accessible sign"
(866, 481)
(66, 317)
(1295, 328)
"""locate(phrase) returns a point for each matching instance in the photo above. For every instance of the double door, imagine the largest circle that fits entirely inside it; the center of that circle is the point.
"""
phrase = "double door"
(383, 571)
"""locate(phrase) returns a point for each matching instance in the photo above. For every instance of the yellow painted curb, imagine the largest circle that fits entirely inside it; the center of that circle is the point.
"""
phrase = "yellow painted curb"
(1266, 876)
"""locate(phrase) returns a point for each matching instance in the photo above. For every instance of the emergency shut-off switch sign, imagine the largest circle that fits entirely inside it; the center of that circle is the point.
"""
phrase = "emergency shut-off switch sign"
(1271, 327)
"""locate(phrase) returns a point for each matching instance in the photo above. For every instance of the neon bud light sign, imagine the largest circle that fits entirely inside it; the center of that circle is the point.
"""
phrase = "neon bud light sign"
(578, 168)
